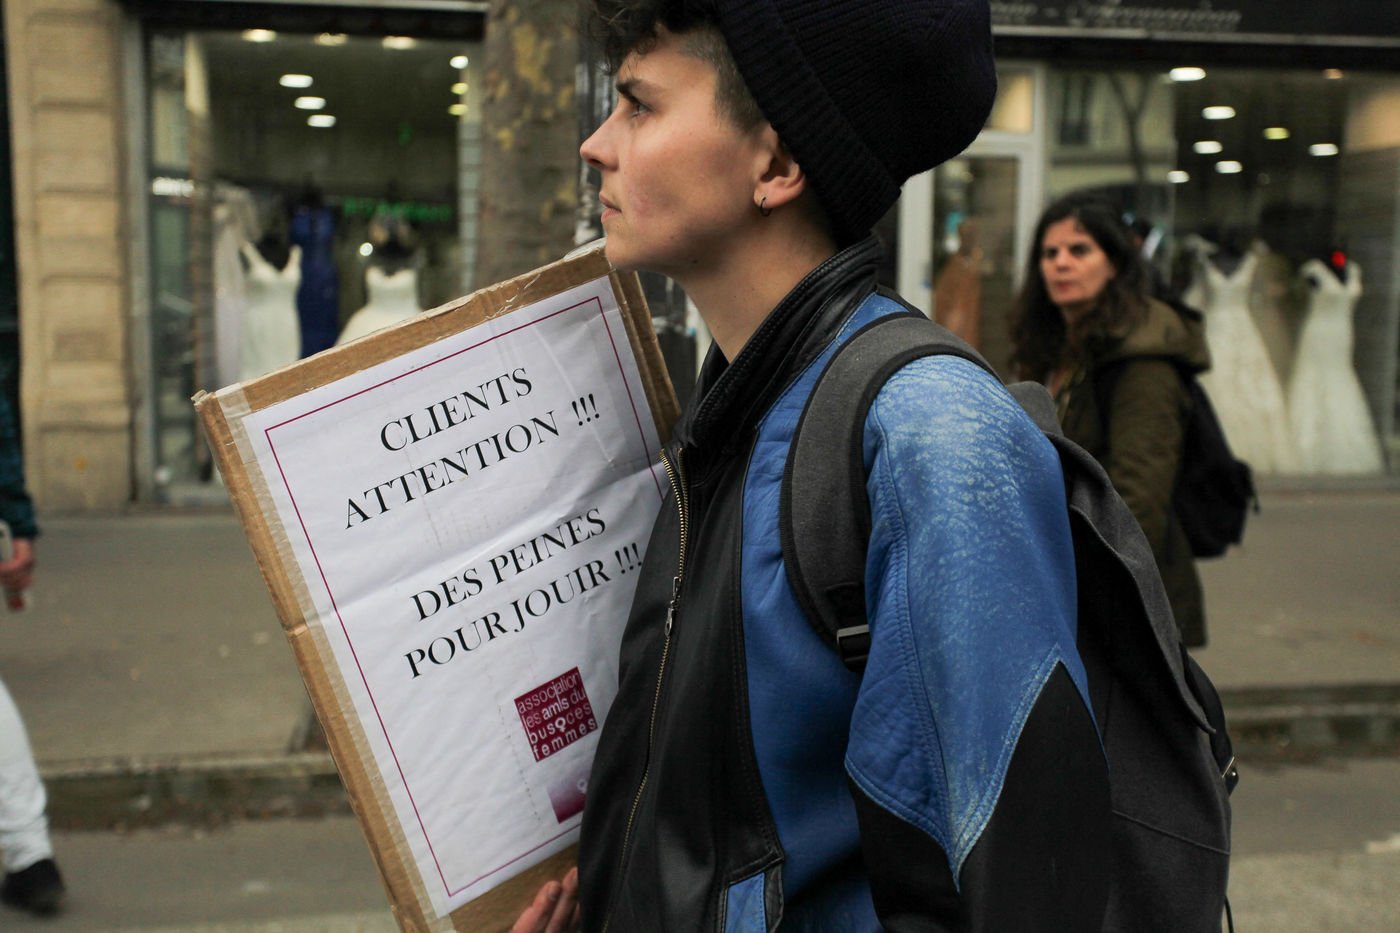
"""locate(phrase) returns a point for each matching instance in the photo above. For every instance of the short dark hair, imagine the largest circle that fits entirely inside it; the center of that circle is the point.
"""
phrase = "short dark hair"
(1038, 333)
(621, 27)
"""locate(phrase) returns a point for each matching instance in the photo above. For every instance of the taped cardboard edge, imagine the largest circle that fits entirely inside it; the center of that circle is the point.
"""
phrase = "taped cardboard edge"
(221, 417)
(220, 414)
(661, 394)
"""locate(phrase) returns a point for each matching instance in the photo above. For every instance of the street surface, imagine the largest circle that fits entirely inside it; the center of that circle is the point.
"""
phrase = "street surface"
(1317, 848)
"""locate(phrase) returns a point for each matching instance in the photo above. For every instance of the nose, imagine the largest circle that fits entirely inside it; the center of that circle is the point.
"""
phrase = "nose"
(596, 150)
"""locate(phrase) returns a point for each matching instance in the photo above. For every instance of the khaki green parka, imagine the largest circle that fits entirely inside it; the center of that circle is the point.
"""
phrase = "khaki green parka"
(1127, 406)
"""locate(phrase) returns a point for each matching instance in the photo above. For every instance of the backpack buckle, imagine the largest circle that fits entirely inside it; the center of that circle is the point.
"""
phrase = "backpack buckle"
(853, 641)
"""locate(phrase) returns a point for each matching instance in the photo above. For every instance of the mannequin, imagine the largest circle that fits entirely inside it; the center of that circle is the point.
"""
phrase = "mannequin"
(271, 332)
(1242, 382)
(393, 297)
(1331, 420)
(235, 222)
(312, 226)
(957, 296)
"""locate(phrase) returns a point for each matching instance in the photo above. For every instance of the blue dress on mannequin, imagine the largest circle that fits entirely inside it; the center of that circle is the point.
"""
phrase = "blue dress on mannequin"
(318, 296)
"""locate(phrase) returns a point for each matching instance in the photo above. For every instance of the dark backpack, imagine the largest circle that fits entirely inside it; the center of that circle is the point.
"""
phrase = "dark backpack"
(1214, 489)
(1171, 766)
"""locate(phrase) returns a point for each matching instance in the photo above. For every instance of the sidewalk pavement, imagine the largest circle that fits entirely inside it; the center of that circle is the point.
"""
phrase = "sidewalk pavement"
(156, 682)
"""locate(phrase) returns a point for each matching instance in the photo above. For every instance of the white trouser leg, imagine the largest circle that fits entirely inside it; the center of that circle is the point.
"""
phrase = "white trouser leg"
(24, 830)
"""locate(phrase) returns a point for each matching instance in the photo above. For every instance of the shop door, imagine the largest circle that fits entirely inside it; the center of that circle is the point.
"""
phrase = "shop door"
(964, 228)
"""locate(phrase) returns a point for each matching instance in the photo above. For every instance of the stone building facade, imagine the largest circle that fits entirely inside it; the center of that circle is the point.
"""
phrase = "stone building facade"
(73, 244)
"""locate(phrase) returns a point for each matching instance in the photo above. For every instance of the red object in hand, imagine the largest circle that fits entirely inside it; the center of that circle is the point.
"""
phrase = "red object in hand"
(16, 600)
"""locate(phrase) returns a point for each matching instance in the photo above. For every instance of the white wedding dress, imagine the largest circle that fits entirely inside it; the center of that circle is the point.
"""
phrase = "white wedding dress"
(235, 221)
(271, 330)
(1331, 420)
(230, 298)
(1242, 382)
(392, 298)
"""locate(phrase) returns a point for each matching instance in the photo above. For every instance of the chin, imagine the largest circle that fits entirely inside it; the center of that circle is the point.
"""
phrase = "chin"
(627, 259)
(620, 259)
(615, 252)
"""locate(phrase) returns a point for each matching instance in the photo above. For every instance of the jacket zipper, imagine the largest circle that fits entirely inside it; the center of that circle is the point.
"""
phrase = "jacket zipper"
(676, 474)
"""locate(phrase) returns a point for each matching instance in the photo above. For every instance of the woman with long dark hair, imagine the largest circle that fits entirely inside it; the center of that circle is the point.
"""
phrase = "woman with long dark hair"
(1114, 357)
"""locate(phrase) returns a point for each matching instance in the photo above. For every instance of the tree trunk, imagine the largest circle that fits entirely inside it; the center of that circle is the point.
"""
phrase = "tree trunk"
(1132, 121)
(529, 147)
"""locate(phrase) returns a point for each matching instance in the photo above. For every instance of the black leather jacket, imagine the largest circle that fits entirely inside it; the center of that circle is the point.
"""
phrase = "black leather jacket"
(678, 833)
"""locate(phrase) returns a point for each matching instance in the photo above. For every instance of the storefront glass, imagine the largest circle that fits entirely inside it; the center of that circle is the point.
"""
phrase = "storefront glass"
(304, 189)
(961, 239)
(1270, 201)
(1267, 199)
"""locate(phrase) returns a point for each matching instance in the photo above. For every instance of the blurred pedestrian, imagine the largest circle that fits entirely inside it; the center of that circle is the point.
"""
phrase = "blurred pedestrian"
(1086, 325)
(32, 881)
(957, 295)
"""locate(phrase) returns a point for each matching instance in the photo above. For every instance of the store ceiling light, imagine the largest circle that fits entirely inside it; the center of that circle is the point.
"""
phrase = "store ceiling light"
(172, 187)
(295, 80)
(1332, 74)
(459, 88)
(322, 120)
(332, 38)
(1178, 177)
(1276, 132)
(1229, 167)
(1187, 74)
(259, 35)
(1323, 149)
(1207, 147)
(366, 249)
(1218, 113)
(399, 42)
(309, 103)
(457, 109)
(459, 62)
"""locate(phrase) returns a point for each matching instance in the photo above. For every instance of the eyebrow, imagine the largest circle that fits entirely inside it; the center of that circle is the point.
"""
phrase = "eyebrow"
(630, 87)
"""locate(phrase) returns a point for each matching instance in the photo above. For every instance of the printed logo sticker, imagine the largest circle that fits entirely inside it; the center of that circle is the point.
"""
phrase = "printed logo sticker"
(556, 715)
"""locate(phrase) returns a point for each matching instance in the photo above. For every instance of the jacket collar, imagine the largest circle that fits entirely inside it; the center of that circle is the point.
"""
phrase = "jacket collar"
(730, 398)
(1163, 332)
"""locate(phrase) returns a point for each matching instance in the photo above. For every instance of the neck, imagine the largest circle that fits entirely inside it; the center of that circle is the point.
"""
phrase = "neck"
(734, 295)
(1071, 314)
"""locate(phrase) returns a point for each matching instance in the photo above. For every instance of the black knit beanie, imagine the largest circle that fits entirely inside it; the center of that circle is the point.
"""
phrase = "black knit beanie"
(865, 93)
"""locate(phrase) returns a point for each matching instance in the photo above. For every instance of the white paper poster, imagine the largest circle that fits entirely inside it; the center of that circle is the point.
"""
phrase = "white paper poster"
(469, 519)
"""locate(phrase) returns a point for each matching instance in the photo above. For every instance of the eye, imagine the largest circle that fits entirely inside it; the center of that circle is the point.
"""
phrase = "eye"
(1079, 250)
(634, 106)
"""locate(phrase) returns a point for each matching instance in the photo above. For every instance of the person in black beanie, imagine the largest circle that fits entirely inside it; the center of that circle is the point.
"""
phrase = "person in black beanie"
(744, 778)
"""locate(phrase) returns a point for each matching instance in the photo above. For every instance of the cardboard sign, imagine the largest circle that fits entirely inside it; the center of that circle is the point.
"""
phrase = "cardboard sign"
(450, 515)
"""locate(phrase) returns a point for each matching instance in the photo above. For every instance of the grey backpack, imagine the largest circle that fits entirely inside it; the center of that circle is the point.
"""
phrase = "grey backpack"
(1171, 767)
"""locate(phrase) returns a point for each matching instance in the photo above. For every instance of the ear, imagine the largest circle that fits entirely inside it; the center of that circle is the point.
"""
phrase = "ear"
(778, 177)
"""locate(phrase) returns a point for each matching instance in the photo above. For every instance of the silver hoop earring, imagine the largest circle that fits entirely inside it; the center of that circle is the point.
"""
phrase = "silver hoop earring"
(765, 211)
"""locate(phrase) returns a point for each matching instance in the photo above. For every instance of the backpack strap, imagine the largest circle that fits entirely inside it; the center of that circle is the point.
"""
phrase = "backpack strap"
(824, 528)
(823, 542)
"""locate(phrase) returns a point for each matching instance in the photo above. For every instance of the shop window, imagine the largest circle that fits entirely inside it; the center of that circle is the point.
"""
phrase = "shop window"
(1074, 101)
(1269, 199)
(304, 189)
(1014, 109)
(974, 219)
